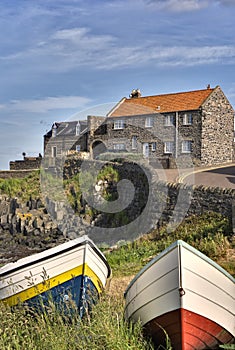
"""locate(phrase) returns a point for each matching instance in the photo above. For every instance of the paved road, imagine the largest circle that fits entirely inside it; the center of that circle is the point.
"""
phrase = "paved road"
(221, 177)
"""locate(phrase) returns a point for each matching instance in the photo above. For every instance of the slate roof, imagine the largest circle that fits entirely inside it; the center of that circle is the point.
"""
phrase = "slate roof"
(181, 101)
(68, 128)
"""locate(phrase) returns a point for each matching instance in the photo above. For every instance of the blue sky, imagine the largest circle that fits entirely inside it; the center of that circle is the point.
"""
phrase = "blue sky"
(63, 58)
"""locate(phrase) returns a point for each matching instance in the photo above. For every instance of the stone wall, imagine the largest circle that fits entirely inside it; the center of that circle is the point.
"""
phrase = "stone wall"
(29, 224)
(203, 199)
(28, 163)
(217, 129)
(14, 174)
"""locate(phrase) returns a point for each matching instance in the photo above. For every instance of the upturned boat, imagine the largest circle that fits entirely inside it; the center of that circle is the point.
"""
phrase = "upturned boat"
(186, 295)
(72, 273)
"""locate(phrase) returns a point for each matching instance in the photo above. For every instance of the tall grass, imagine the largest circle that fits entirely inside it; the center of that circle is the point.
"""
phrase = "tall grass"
(210, 233)
(24, 188)
(104, 329)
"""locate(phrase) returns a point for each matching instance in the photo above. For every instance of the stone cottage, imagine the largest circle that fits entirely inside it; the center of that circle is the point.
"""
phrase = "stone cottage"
(61, 139)
(199, 124)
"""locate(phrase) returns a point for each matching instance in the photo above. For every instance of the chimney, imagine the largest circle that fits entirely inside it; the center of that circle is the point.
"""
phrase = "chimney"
(135, 93)
(208, 86)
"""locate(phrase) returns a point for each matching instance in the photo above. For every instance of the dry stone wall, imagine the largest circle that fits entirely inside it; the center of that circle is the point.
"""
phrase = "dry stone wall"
(29, 224)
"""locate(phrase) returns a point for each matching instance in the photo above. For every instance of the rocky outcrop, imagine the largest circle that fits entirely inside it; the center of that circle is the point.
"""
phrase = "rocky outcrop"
(25, 227)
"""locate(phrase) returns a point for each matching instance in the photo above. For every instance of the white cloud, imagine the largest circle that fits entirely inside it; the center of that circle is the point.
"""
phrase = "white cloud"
(48, 104)
(70, 49)
(179, 5)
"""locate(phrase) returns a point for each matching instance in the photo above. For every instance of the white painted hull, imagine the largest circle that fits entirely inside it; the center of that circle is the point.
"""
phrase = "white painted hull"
(181, 278)
(33, 275)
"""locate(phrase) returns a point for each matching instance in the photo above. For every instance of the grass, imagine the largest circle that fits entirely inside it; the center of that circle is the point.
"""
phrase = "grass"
(25, 188)
(104, 329)
(210, 233)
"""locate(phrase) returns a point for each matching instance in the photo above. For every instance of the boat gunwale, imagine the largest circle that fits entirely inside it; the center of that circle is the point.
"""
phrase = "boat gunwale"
(167, 251)
(83, 241)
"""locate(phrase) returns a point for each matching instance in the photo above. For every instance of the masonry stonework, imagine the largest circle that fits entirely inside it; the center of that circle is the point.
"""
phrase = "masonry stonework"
(217, 129)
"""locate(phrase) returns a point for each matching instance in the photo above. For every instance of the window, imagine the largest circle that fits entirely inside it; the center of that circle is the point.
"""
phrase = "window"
(169, 120)
(78, 129)
(78, 148)
(149, 122)
(187, 119)
(153, 146)
(54, 151)
(119, 146)
(186, 146)
(168, 147)
(119, 124)
(134, 142)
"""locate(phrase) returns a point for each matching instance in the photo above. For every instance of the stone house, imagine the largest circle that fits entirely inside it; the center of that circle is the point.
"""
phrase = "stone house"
(197, 124)
(62, 139)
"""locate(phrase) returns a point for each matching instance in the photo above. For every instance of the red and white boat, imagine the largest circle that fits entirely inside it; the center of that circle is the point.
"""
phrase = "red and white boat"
(185, 294)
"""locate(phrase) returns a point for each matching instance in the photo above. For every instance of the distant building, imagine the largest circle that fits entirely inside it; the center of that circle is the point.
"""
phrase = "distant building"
(165, 127)
(63, 136)
(28, 163)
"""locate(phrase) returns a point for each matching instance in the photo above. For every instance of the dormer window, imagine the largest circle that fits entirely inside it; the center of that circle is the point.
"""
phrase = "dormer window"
(78, 129)
(187, 119)
(149, 122)
(119, 124)
(169, 120)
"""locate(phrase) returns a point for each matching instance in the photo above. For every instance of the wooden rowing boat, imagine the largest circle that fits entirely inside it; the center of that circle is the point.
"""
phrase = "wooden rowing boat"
(185, 294)
(73, 272)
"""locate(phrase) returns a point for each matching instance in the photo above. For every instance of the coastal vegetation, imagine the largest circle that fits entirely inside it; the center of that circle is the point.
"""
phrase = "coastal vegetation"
(106, 328)
(23, 188)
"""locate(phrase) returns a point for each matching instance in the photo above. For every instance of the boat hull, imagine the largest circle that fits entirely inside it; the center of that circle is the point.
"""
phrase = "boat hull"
(187, 330)
(73, 273)
(187, 294)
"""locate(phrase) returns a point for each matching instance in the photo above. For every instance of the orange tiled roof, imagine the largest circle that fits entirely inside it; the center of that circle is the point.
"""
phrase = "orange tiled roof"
(181, 101)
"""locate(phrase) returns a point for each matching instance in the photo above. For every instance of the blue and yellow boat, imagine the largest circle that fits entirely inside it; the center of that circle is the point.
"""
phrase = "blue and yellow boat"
(74, 272)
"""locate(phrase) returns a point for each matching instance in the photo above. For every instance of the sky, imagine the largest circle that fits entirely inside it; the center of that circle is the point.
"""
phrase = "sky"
(64, 59)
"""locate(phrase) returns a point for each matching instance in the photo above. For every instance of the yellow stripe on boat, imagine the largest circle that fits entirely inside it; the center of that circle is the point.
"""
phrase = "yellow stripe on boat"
(53, 282)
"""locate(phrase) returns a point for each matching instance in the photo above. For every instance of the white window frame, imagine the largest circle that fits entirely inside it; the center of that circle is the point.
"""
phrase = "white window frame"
(169, 120)
(187, 119)
(149, 122)
(54, 151)
(153, 146)
(78, 129)
(186, 146)
(134, 142)
(169, 147)
(119, 146)
(119, 124)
